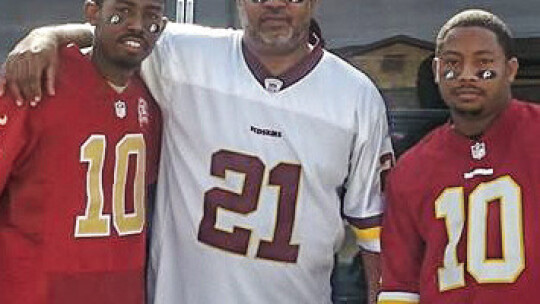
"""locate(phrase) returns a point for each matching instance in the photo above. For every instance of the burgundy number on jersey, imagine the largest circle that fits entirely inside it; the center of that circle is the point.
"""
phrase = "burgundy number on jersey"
(286, 176)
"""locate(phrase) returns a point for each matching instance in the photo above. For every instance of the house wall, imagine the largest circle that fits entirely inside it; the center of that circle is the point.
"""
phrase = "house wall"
(398, 74)
(359, 22)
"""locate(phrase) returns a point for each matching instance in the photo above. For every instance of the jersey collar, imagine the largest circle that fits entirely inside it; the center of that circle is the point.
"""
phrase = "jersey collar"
(502, 127)
(291, 76)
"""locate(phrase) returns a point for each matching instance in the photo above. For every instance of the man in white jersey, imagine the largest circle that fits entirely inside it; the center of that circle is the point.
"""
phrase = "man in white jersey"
(269, 143)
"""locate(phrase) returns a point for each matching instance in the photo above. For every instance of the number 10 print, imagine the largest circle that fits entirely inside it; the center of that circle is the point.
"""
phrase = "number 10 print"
(450, 207)
(94, 223)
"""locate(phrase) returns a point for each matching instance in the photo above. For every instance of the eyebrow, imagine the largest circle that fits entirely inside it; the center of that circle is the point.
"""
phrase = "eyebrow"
(484, 52)
(477, 53)
(126, 2)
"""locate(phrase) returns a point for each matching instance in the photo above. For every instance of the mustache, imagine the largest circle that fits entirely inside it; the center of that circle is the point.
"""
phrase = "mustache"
(133, 36)
(468, 89)
(276, 14)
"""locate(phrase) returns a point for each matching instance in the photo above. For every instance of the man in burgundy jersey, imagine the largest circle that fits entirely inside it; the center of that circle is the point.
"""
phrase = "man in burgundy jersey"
(75, 173)
(261, 160)
(462, 217)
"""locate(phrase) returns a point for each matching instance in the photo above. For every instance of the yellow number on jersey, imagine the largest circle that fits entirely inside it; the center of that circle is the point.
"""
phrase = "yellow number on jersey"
(94, 223)
(450, 206)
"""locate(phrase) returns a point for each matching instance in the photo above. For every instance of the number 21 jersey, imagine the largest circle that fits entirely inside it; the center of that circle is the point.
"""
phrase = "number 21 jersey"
(255, 178)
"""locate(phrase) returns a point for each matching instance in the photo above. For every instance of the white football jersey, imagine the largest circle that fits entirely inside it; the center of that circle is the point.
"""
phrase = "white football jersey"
(255, 179)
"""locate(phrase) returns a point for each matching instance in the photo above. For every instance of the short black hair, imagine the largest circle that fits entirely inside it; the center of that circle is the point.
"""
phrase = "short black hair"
(483, 19)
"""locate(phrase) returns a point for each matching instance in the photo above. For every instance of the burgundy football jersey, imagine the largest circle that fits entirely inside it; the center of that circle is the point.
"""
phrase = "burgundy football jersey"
(462, 220)
(75, 175)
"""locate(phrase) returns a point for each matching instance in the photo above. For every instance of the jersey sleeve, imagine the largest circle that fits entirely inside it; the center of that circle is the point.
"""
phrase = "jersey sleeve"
(14, 139)
(371, 156)
(403, 249)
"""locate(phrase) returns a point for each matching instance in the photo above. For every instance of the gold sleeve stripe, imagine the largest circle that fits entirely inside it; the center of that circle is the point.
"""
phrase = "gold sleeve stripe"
(369, 234)
(396, 302)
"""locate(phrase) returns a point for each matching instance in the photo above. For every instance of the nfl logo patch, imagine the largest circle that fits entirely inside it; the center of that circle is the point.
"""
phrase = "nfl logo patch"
(273, 85)
(478, 150)
(120, 109)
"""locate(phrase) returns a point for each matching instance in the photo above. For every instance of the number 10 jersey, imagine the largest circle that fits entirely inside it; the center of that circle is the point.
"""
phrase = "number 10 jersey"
(462, 222)
(74, 178)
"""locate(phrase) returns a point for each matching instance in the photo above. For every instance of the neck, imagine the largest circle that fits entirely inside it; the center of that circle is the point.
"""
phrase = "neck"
(114, 73)
(472, 125)
(278, 62)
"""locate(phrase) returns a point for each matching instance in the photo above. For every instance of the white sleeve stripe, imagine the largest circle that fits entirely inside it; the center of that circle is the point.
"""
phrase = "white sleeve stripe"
(372, 245)
(399, 296)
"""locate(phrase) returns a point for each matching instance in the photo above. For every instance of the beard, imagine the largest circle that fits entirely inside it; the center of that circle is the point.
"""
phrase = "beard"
(118, 58)
(278, 42)
(275, 41)
(126, 62)
(472, 113)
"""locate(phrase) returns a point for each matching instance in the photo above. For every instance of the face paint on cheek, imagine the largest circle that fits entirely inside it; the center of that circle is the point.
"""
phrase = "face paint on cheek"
(115, 19)
(154, 28)
(450, 74)
(486, 74)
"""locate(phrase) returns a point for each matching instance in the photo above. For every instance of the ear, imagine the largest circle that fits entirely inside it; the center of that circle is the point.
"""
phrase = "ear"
(91, 11)
(435, 67)
(512, 66)
(164, 21)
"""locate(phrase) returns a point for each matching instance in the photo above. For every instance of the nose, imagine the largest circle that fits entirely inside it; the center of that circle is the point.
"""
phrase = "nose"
(135, 22)
(469, 72)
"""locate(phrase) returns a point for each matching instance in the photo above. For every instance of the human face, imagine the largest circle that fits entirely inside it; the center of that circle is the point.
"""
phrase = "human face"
(126, 30)
(276, 26)
(473, 72)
